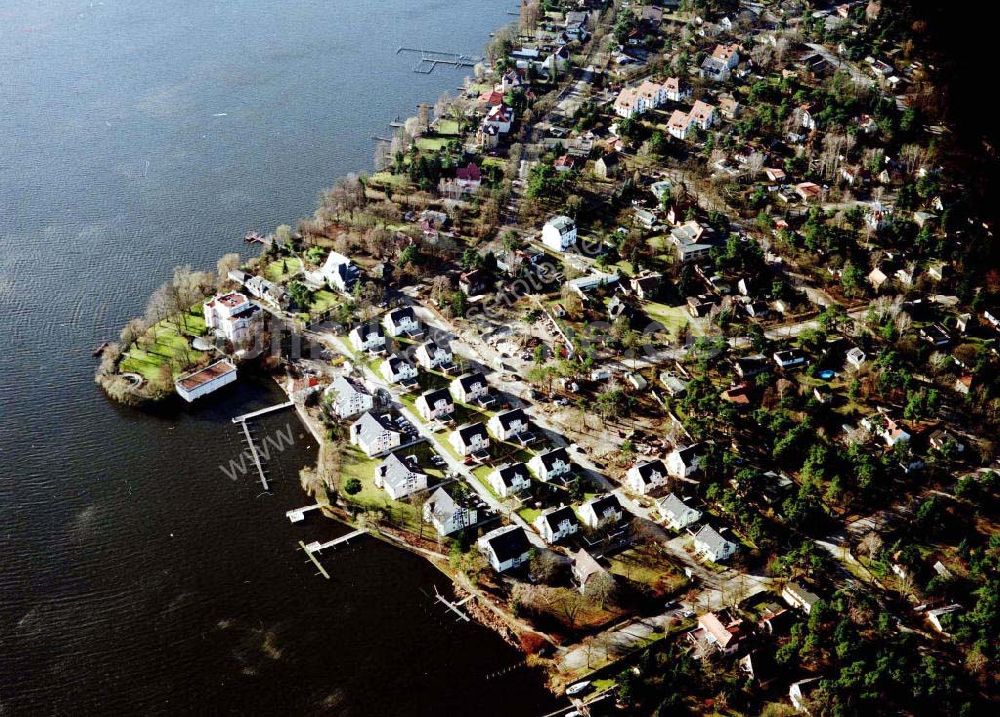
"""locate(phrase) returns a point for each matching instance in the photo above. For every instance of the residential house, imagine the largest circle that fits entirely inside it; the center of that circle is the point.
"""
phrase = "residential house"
(559, 233)
(368, 337)
(505, 548)
(674, 91)
(803, 115)
(799, 693)
(399, 476)
(676, 513)
(551, 464)
(938, 617)
(340, 272)
(375, 434)
(702, 115)
(646, 476)
(469, 439)
(789, 358)
(510, 479)
(712, 68)
(729, 107)
(470, 388)
(396, 369)
(691, 240)
(402, 322)
(679, 124)
(508, 424)
(798, 597)
(348, 397)
(602, 511)
(607, 166)
(585, 567)
(449, 512)
(435, 405)
(684, 462)
(233, 316)
(709, 543)
(809, 191)
(431, 355)
(267, 291)
(722, 633)
(498, 118)
(556, 524)
(647, 285)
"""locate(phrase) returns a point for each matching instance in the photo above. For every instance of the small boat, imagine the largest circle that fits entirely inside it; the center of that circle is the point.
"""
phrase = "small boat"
(100, 349)
(577, 688)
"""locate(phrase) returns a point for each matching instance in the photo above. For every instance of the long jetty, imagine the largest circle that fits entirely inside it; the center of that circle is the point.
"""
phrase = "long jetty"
(297, 515)
(270, 409)
(316, 546)
(256, 456)
(429, 59)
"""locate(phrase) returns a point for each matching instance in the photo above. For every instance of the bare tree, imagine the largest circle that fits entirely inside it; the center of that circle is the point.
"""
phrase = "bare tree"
(227, 263)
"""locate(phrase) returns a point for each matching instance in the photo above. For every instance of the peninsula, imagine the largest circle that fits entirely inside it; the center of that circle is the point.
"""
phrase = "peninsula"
(671, 339)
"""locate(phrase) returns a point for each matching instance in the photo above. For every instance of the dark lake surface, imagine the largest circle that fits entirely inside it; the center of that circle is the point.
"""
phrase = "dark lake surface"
(135, 576)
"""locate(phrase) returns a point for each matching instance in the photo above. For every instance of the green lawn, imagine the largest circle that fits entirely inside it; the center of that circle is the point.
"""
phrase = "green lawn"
(357, 465)
(672, 317)
(389, 179)
(282, 269)
(432, 144)
(529, 514)
(323, 300)
(449, 127)
(165, 344)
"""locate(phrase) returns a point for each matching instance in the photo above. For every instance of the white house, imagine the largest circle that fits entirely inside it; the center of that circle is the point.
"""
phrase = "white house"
(702, 115)
(684, 462)
(676, 513)
(510, 479)
(799, 692)
(556, 524)
(400, 476)
(601, 511)
(431, 355)
(470, 387)
(402, 321)
(674, 90)
(233, 316)
(508, 424)
(559, 233)
(505, 548)
(396, 369)
(340, 272)
(498, 119)
(551, 464)
(709, 543)
(196, 384)
(375, 434)
(797, 596)
(348, 397)
(369, 337)
(646, 476)
(435, 405)
(448, 513)
(469, 439)
(789, 358)
(679, 124)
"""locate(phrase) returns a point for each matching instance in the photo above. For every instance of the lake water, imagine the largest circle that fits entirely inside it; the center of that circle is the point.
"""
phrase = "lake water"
(135, 576)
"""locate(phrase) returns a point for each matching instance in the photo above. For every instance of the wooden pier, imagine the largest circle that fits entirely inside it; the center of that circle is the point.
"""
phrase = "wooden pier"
(316, 546)
(297, 515)
(318, 564)
(247, 416)
(429, 59)
(453, 606)
(256, 456)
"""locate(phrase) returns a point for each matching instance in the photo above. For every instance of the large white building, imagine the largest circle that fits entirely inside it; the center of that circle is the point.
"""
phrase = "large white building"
(340, 272)
(203, 381)
(559, 233)
(348, 398)
(233, 316)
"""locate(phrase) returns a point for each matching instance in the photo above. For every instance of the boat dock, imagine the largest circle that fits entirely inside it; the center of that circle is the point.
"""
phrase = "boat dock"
(255, 455)
(318, 564)
(297, 515)
(429, 59)
(453, 606)
(316, 547)
(247, 416)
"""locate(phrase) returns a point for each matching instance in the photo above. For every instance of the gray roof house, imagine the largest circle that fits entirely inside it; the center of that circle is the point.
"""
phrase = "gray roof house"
(400, 476)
